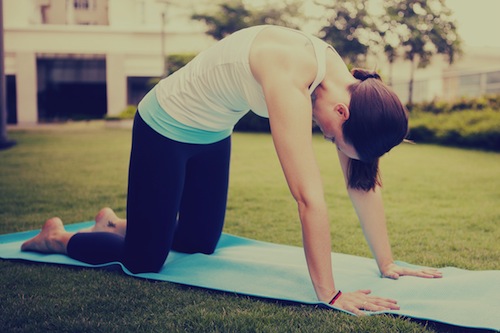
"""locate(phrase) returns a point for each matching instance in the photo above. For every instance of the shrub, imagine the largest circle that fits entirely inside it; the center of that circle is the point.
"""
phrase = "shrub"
(127, 113)
(472, 129)
(177, 61)
(485, 102)
(253, 123)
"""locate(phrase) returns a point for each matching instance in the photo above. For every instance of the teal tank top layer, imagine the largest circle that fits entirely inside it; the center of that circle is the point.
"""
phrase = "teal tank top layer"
(159, 120)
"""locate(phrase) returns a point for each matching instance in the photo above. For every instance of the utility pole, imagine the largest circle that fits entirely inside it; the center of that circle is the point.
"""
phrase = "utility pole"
(4, 141)
(163, 55)
(164, 59)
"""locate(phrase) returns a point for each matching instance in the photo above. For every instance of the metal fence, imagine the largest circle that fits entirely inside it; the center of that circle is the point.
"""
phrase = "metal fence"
(451, 86)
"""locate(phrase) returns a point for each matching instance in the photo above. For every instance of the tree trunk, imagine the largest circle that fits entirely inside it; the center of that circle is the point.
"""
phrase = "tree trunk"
(410, 85)
(391, 67)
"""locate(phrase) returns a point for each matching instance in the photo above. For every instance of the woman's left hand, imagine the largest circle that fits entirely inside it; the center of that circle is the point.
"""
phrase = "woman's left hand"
(393, 271)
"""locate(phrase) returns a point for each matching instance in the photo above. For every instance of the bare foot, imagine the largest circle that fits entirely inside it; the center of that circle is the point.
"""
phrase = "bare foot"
(52, 239)
(107, 221)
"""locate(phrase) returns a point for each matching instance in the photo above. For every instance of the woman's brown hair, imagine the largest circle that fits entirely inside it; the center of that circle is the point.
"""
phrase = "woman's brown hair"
(378, 121)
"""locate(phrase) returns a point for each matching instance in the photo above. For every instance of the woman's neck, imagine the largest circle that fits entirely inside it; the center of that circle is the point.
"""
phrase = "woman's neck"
(337, 80)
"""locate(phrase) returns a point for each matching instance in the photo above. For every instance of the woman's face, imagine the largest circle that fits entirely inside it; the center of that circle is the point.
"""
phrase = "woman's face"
(330, 121)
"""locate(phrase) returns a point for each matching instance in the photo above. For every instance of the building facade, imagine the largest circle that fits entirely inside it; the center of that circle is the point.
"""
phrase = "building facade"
(87, 58)
(475, 73)
(70, 59)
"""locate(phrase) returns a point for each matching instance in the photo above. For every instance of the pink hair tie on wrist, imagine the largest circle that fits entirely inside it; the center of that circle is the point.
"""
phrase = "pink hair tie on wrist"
(336, 297)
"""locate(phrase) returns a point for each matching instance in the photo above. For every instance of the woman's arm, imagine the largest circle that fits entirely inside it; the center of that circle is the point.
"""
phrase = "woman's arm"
(285, 74)
(284, 78)
(291, 130)
(370, 210)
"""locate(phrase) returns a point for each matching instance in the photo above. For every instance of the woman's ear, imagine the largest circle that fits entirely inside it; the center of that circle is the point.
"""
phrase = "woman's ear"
(342, 110)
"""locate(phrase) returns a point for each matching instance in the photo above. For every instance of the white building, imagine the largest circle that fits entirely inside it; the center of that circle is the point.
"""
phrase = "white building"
(90, 57)
(475, 73)
(71, 58)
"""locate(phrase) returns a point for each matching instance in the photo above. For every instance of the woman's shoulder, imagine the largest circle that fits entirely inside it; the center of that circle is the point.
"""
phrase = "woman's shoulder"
(278, 50)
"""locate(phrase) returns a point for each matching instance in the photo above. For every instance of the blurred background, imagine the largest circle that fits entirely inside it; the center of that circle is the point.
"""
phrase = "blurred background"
(94, 59)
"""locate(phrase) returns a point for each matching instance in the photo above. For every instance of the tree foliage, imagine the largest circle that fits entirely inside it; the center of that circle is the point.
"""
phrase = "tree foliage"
(349, 28)
(415, 30)
(426, 28)
(234, 15)
(419, 29)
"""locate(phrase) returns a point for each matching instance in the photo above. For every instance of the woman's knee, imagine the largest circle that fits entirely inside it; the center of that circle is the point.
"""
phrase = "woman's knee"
(144, 265)
(144, 258)
(205, 245)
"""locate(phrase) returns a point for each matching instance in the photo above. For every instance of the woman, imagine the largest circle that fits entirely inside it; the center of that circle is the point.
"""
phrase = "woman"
(179, 162)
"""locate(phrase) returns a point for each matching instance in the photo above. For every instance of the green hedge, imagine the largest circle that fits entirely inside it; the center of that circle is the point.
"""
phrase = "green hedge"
(127, 113)
(466, 122)
(465, 103)
(470, 128)
(253, 123)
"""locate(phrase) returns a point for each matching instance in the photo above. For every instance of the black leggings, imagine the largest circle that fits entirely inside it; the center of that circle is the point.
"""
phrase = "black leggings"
(177, 196)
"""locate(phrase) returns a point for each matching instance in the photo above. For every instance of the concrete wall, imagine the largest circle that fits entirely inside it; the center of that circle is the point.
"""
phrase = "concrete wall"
(131, 45)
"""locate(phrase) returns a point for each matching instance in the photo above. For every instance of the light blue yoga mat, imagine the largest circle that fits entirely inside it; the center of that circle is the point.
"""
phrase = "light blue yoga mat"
(461, 298)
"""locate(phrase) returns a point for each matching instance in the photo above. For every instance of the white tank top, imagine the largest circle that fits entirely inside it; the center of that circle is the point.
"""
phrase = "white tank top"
(217, 88)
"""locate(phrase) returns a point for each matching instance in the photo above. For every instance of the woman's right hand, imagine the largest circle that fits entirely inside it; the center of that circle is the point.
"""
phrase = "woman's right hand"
(360, 300)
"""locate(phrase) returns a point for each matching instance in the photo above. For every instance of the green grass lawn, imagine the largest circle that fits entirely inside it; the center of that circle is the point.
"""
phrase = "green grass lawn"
(442, 206)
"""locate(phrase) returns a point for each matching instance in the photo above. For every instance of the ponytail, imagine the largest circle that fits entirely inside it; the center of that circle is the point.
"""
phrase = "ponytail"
(363, 74)
(378, 121)
(363, 175)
